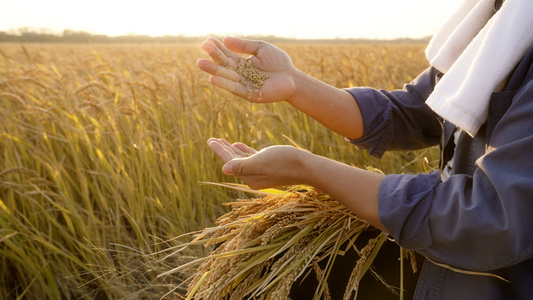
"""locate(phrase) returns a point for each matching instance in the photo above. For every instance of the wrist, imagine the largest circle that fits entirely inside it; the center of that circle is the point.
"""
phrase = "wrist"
(308, 167)
(301, 83)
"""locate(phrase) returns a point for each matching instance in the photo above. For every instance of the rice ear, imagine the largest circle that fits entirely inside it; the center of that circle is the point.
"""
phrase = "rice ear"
(276, 240)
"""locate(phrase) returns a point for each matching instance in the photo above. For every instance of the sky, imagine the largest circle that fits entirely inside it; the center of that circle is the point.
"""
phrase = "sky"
(375, 19)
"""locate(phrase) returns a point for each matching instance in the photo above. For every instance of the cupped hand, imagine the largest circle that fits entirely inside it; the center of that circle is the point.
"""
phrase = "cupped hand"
(273, 166)
(264, 57)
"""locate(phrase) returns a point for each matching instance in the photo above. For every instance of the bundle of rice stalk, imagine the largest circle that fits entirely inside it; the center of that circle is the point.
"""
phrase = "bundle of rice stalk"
(264, 245)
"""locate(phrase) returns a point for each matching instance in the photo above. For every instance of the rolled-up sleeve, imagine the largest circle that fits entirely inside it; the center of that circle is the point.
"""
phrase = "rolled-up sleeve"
(480, 222)
(398, 120)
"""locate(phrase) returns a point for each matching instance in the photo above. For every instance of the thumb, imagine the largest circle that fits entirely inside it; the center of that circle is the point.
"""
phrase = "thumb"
(227, 168)
(231, 167)
(242, 45)
(238, 167)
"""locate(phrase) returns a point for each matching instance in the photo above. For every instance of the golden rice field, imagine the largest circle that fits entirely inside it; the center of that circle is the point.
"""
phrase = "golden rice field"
(103, 157)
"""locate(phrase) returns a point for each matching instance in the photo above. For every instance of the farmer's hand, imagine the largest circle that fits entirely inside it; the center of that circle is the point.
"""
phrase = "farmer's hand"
(265, 57)
(271, 167)
(277, 166)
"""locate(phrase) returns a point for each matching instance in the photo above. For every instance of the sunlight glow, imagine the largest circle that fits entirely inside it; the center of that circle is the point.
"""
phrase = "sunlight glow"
(300, 19)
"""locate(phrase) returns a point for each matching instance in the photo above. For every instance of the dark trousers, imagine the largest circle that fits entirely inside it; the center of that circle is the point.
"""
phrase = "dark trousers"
(386, 264)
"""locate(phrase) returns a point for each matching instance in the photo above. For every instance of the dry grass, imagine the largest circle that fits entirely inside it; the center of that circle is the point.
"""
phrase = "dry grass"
(103, 147)
(264, 245)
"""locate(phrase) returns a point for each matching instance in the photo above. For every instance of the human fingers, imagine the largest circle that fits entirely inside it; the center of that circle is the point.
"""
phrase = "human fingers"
(223, 48)
(246, 91)
(268, 168)
(245, 148)
(265, 56)
(223, 152)
(240, 150)
(217, 70)
(228, 153)
(243, 45)
(234, 151)
(218, 56)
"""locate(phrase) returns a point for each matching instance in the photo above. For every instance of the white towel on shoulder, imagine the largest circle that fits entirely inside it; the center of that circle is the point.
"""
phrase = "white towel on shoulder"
(476, 49)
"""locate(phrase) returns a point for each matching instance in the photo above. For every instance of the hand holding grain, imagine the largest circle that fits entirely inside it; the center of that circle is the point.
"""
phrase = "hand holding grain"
(266, 76)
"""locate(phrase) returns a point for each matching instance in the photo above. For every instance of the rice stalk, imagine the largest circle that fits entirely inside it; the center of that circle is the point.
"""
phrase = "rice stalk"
(264, 245)
(103, 148)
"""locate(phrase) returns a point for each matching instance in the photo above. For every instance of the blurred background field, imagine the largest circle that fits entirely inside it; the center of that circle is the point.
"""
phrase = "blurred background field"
(103, 154)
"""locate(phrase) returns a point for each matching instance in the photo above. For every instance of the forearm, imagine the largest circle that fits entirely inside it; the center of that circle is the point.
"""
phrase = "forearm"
(332, 107)
(286, 165)
(355, 188)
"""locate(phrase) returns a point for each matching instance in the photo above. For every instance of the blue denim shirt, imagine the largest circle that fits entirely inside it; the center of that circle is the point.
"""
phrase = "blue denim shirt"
(481, 218)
